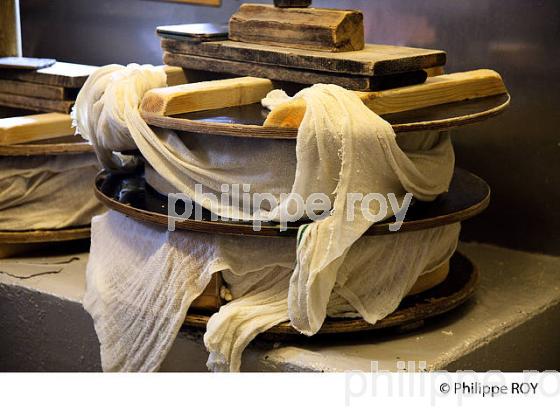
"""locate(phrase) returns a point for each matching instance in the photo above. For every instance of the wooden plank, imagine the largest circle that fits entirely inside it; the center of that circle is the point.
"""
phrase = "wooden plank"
(69, 145)
(175, 75)
(59, 74)
(307, 28)
(35, 104)
(374, 59)
(205, 95)
(27, 128)
(50, 92)
(436, 90)
(357, 83)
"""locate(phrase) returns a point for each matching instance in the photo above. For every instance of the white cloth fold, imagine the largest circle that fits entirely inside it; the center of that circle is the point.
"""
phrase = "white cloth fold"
(342, 148)
(141, 280)
(51, 192)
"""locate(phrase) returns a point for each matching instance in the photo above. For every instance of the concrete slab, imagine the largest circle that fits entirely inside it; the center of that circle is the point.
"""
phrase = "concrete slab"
(512, 323)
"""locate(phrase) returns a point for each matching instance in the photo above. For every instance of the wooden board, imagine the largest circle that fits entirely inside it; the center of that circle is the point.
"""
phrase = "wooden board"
(297, 76)
(50, 92)
(440, 89)
(468, 196)
(458, 287)
(35, 104)
(59, 74)
(307, 28)
(247, 121)
(70, 145)
(206, 94)
(357, 83)
(39, 236)
(373, 60)
(28, 128)
(231, 118)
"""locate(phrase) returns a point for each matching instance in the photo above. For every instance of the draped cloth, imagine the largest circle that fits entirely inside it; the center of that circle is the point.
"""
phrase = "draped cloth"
(50, 192)
(342, 149)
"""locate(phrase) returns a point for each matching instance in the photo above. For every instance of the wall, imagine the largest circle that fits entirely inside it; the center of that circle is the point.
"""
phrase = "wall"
(518, 154)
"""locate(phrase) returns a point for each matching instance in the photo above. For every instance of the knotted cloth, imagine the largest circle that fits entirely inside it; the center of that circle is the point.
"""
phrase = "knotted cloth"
(141, 280)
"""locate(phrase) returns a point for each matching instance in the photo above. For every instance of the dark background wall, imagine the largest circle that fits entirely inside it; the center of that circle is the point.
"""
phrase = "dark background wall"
(517, 153)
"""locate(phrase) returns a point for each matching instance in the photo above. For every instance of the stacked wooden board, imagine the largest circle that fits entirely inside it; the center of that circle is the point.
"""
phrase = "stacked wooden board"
(261, 44)
(50, 89)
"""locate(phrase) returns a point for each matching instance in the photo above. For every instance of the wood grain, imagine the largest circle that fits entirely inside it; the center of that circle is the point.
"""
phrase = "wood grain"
(458, 287)
(308, 28)
(49, 92)
(358, 83)
(373, 60)
(175, 75)
(59, 74)
(35, 104)
(205, 95)
(436, 90)
(27, 128)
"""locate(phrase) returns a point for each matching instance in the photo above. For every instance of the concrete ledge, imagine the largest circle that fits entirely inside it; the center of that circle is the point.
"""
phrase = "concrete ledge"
(511, 324)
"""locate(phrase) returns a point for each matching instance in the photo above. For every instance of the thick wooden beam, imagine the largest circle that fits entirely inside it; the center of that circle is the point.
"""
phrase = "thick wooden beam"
(308, 28)
(28, 128)
(205, 95)
(436, 90)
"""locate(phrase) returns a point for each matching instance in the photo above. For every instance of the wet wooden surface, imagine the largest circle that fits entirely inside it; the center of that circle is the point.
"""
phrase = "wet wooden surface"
(468, 195)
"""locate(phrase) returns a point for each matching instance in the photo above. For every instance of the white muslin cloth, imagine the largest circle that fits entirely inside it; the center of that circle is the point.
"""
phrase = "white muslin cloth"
(141, 280)
(51, 192)
(342, 148)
